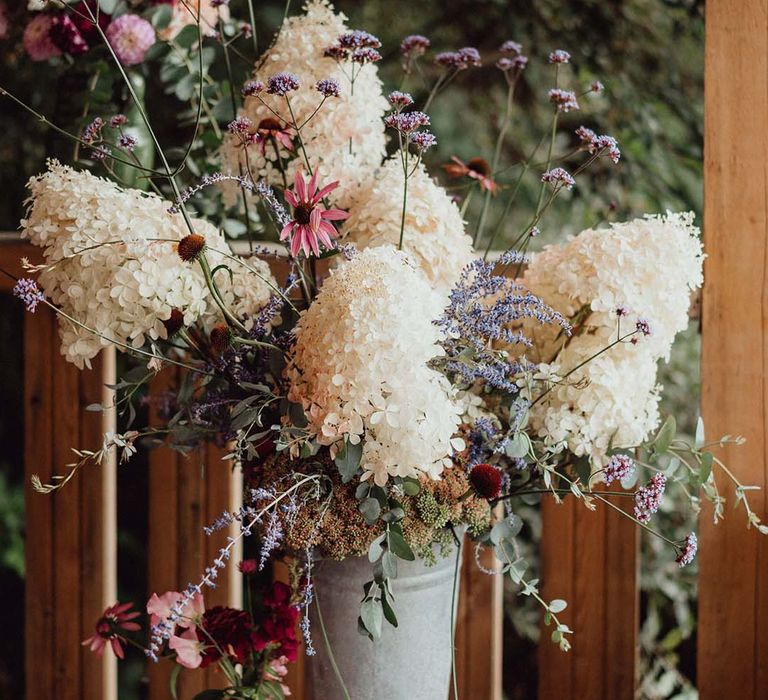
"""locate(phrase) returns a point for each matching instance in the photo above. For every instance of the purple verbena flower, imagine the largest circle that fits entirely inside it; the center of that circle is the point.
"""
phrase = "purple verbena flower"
(338, 53)
(407, 121)
(240, 126)
(92, 131)
(559, 56)
(558, 178)
(688, 551)
(597, 87)
(423, 140)
(618, 468)
(586, 136)
(127, 142)
(400, 99)
(564, 100)
(282, 83)
(358, 39)
(365, 55)
(511, 47)
(328, 87)
(459, 60)
(252, 87)
(648, 498)
(117, 121)
(29, 293)
(643, 326)
(414, 45)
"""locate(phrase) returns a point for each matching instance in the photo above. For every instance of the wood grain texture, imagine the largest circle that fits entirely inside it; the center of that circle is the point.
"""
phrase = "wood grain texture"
(733, 565)
(187, 492)
(590, 559)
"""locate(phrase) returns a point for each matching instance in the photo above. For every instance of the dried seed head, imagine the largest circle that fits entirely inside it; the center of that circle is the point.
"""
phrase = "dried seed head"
(221, 337)
(191, 246)
(174, 323)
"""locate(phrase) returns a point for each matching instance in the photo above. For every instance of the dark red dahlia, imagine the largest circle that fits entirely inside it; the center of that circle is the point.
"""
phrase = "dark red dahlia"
(486, 480)
(248, 566)
(232, 632)
(67, 37)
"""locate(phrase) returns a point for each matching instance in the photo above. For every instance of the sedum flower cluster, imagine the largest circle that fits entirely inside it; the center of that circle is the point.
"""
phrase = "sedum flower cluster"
(359, 367)
(345, 139)
(608, 279)
(111, 263)
(434, 231)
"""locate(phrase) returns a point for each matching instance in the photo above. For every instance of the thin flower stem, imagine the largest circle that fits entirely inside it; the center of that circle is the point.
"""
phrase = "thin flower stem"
(404, 159)
(298, 135)
(453, 614)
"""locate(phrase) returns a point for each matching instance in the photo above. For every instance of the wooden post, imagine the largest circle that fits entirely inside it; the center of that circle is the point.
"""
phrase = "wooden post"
(589, 559)
(71, 542)
(186, 493)
(733, 564)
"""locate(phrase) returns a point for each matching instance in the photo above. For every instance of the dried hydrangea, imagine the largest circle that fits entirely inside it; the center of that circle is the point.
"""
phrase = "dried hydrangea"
(434, 230)
(359, 367)
(105, 269)
(613, 399)
(354, 115)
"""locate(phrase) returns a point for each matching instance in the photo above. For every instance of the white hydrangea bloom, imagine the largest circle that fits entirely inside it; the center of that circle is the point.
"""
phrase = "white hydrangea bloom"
(357, 117)
(107, 269)
(360, 367)
(648, 267)
(434, 230)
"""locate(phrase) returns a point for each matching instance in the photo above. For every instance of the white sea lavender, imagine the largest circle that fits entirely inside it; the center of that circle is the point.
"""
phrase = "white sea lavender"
(434, 231)
(112, 264)
(634, 277)
(359, 367)
(344, 140)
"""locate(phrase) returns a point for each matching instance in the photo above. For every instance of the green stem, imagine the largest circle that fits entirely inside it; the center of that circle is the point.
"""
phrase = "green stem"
(331, 657)
(404, 158)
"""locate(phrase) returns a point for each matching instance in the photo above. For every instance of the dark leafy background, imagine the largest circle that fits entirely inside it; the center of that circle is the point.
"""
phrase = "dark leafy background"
(648, 53)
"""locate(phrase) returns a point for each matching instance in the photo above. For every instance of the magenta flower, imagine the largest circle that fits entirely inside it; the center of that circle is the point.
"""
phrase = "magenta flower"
(310, 224)
(130, 37)
(37, 38)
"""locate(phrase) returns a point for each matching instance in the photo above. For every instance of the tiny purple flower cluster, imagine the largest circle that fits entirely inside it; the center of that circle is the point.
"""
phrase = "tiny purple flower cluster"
(559, 56)
(400, 99)
(564, 100)
(599, 144)
(558, 178)
(29, 293)
(513, 57)
(282, 83)
(406, 122)
(92, 132)
(688, 551)
(252, 87)
(127, 142)
(357, 45)
(619, 467)
(328, 87)
(459, 60)
(414, 45)
(117, 121)
(643, 326)
(648, 498)
(422, 140)
(365, 55)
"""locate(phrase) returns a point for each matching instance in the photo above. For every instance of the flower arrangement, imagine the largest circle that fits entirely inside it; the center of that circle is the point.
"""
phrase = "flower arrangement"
(392, 389)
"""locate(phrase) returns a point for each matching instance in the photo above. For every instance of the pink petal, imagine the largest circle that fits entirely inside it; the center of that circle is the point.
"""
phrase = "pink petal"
(130, 626)
(286, 232)
(312, 185)
(159, 607)
(290, 197)
(334, 214)
(326, 190)
(188, 649)
(117, 648)
(285, 139)
(314, 219)
(300, 186)
(296, 243)
(325, 236)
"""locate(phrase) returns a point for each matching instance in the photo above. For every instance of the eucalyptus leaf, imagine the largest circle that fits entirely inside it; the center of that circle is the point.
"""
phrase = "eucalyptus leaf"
(375, 550)
(399, 546)
(389, 612)
(389, 564)
(557, 606)
(664, 437)
(700, 438)
(707, 458)
(372, 616)
(348, 460)
(371, 510)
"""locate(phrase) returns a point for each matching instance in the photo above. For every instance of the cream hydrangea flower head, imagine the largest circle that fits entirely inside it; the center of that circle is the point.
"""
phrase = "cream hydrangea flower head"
(111, 262)
(359, 367)
(434, 230)
(358, 117)
(613, 399)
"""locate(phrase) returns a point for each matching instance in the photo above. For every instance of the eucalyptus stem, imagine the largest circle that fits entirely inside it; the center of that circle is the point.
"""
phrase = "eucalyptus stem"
(328, 648)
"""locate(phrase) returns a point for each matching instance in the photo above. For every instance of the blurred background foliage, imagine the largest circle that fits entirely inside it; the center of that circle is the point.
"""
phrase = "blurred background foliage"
(649, 55)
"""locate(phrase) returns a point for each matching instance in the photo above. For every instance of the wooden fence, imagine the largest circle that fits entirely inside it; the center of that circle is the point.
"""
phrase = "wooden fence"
(590, 559)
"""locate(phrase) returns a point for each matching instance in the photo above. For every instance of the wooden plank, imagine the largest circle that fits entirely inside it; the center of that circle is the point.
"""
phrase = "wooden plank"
(479, 626)
(39, 335)
(590, 560)
(733, 565)
(98, 525)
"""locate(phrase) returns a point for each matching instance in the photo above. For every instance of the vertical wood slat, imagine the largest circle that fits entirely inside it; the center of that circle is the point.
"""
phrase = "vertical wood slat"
(70, 547)
(185, 493)
(590, 559)
(733, 565)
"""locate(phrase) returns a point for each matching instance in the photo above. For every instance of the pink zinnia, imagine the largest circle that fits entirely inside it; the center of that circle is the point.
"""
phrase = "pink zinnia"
(309, 226)
(130, 37)
(115, 618)
(37, 39)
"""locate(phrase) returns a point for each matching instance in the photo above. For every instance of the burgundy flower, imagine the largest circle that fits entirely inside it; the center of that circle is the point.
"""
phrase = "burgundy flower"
(310, 225)
(228, 630)
(190, 247)
(248, 566)
(115, 618)
(271, 128)
(486, 480)
(67, 36)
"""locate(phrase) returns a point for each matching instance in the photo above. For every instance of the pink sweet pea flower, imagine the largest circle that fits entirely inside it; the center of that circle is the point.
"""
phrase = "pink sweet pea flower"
(189, 650)
(310, 224)
(159, 608)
